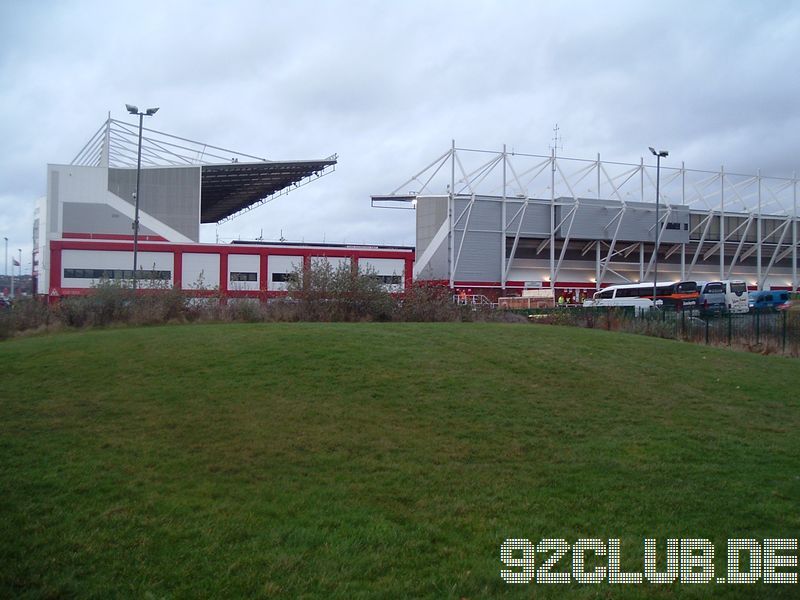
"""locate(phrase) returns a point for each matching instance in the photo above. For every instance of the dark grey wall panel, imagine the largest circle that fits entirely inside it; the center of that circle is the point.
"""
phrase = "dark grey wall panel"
(431, 213)
(485, 215)
(479, 259)
(171, 195)
(595, 219)
(535, 221)
(98, 218)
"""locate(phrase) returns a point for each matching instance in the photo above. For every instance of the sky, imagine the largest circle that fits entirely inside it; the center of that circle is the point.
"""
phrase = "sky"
(387, 85)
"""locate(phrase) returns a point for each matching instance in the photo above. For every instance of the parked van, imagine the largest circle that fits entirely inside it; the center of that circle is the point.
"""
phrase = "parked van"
(736, 298)
(712, 298)
(766, 301)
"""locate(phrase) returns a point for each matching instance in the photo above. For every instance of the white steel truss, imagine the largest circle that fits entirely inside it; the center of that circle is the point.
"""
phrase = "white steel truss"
(115, 144)
(766, 204)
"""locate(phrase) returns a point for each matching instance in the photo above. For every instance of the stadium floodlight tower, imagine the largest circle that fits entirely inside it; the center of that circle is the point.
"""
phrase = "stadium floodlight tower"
(659, 155)
(147, 113)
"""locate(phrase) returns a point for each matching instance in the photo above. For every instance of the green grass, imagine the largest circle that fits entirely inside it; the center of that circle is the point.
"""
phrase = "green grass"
(378, 460)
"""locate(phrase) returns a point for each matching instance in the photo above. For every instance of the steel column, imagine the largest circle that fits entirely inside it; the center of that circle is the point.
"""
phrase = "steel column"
(722, 222)
(759, 282)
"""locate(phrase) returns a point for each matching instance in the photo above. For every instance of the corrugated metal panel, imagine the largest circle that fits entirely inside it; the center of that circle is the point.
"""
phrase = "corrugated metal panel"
(437, 268)
(98, 218)
(596, 219)
(431, 212)
(479, 259)
(171, 195)
(486, 214)
(460, 212)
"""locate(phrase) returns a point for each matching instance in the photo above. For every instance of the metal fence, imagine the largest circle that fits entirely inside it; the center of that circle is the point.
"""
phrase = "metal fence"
(765, 332)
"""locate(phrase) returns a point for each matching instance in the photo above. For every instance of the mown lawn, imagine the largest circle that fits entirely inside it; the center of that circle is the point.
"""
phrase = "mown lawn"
(378, 460)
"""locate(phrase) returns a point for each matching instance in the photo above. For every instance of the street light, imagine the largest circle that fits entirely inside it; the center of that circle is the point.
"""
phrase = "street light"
(147, 113)
(659, 155)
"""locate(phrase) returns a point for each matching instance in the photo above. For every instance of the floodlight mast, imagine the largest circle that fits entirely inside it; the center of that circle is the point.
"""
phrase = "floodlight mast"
(134, 110)
(659, 155)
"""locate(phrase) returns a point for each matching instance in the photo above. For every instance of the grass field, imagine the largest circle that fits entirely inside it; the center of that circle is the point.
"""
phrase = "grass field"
(378, 460)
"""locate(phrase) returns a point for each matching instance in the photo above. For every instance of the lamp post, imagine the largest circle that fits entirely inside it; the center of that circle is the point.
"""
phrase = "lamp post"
(5, 269)
(659, 155)
(147, 113)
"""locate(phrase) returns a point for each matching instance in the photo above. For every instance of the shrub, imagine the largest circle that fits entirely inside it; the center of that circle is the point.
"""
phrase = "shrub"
(423, 302)
(324, 293)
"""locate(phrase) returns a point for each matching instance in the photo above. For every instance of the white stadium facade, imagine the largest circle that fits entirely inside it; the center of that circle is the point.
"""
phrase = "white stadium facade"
(498, 222)
(83, 227)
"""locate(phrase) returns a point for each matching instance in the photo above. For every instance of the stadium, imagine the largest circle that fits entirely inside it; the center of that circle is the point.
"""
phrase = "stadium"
(493, 223)
(83, 227)
(498, 222)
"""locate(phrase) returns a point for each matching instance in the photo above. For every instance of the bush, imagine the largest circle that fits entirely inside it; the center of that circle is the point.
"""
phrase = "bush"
(425, 302)
(322, 293)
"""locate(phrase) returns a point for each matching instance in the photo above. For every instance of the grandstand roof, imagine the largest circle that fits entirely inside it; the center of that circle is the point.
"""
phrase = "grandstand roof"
(232, 182)
(228, 189)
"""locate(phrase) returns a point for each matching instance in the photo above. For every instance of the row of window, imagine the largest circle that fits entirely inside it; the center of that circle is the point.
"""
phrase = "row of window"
(149, 274)
(287, 277)
(167, 275)
(646, 291)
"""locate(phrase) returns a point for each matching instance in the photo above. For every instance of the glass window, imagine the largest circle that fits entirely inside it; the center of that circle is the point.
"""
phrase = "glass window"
(243, 276)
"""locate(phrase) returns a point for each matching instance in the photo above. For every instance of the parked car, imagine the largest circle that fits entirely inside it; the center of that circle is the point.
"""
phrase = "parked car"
(712, 298)
(767, 301)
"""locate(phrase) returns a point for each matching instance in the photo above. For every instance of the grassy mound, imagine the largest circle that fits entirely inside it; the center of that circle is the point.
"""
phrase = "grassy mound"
(377, 460)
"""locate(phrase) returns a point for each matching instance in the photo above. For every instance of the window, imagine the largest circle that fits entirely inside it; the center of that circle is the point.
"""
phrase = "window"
(243, 276)
(281, 277)
(738, 288)
(388, 279)
(117, 274)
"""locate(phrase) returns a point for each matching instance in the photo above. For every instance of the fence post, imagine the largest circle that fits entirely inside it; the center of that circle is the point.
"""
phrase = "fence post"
(784, 332)
(683, 323)
(729, 329)
(758, 326)
(707, 322)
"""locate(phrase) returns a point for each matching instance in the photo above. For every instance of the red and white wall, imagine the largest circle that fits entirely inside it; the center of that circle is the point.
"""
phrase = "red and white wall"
(246, 270)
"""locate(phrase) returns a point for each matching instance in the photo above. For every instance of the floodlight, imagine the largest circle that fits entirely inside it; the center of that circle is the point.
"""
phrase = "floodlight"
(132, 109)
(152, 111)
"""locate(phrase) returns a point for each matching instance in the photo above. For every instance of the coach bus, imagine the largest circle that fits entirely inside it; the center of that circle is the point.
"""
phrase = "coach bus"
(672, 296)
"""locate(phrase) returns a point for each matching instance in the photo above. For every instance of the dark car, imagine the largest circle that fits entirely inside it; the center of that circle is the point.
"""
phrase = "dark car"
(712, 297)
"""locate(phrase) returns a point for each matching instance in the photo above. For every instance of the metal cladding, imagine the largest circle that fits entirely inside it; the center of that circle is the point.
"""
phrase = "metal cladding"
(509, 219)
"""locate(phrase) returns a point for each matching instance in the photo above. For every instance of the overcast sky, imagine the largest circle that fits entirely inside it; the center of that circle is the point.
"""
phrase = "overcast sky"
(387, 85)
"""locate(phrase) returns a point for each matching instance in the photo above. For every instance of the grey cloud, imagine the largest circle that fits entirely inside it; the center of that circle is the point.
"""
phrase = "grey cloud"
(388, 85)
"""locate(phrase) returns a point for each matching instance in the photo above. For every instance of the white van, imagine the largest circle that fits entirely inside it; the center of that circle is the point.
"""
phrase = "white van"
(736, 297)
